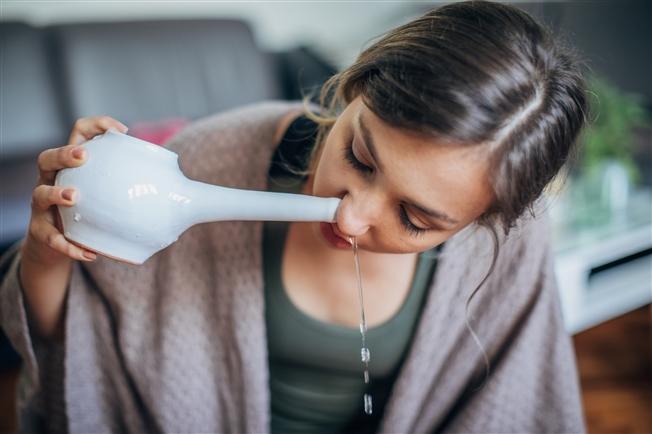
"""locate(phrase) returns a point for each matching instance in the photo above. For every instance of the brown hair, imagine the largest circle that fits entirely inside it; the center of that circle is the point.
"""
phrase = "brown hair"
(474, 73)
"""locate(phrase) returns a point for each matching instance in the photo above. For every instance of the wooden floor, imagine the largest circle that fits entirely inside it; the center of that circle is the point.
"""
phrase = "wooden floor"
(8, 380)
(615, 364)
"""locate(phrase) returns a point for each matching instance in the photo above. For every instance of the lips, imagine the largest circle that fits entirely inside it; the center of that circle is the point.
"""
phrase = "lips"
(331, 235)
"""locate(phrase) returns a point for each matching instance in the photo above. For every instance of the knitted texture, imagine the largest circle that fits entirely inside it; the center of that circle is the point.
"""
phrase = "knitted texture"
(179, 344)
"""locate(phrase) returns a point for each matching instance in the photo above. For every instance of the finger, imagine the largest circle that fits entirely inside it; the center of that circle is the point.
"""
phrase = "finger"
(48, 235)
(87, 128)
(52, 160)
(54, 217)
(44, 196)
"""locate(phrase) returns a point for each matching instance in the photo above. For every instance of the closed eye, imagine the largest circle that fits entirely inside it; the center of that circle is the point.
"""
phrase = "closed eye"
(350, 157)
(410, 227)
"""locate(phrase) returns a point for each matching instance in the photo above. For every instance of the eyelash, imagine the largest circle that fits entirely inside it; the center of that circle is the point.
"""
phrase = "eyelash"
(350, 157)
(405, 221)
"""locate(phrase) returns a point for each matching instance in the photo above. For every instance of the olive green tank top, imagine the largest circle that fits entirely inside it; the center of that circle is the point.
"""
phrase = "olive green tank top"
(316, 380)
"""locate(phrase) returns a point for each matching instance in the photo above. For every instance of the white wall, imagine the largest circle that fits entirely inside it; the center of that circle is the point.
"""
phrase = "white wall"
(336, 29)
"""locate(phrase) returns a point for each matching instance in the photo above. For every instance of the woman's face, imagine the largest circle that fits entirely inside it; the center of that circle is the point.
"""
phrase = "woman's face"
(400, 193)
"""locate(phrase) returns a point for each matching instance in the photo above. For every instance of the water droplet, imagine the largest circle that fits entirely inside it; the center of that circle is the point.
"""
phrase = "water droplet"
(368, 405)
(76, 217)
(366, 376)
(365, 355)
(363, 328)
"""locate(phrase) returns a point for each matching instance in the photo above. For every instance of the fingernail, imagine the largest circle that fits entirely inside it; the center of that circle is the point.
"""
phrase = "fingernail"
(78, 153)
(68, 194)
(89, 255)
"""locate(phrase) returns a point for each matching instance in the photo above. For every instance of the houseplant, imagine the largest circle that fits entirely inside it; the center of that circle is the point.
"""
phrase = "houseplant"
(610, 134)
(603, 181)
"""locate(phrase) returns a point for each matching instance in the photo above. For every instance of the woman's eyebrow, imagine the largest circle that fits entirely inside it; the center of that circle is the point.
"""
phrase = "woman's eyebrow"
(368, 141)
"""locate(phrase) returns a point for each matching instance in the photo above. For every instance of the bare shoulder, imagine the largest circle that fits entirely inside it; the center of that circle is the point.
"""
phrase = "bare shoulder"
(284, 123)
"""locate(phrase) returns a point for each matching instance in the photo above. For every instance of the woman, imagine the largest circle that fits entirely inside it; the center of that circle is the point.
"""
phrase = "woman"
(448, 124)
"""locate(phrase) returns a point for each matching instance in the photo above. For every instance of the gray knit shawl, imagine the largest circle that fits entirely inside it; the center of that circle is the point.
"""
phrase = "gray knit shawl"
(178, 344)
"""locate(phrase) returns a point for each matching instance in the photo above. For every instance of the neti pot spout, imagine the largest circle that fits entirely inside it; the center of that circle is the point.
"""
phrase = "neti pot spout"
(203, 203)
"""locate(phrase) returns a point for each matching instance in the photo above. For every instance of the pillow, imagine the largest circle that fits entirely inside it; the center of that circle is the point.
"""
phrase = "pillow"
(157, 132)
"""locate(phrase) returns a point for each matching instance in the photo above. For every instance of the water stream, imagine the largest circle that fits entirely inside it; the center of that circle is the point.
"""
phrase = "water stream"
(365, 354)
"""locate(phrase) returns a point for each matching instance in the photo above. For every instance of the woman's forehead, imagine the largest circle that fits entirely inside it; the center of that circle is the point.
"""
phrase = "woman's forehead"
(411, 148)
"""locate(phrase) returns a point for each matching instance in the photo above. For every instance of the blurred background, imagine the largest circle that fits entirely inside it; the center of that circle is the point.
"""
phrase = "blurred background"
(156, 66)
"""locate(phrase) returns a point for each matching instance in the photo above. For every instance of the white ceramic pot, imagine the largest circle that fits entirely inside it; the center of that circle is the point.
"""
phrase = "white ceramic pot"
(133, 200)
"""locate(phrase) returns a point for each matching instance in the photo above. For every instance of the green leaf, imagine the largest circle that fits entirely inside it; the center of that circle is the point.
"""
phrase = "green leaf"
(610, 133)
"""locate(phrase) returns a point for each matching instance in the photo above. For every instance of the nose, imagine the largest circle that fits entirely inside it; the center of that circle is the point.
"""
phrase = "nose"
(355, 216)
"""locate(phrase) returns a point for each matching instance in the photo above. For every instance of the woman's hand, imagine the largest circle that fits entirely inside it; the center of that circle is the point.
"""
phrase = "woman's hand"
(46, 256)
(45, 243)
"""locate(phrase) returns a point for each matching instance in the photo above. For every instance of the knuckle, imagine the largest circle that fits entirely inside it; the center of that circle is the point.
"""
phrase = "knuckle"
(69, 250)
(36, 196)
(42, 156)
(51, 239)
(77, 253)
(53, 195)
(104, 122)
(32, 230)
(61, 153)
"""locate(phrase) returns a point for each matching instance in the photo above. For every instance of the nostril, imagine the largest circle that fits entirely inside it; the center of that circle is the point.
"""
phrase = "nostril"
(341, 234)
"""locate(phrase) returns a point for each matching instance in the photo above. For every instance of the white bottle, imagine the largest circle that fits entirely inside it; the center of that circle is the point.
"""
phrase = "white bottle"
(133, 200)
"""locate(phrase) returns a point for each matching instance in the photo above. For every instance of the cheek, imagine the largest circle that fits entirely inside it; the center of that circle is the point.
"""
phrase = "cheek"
(402, 242)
